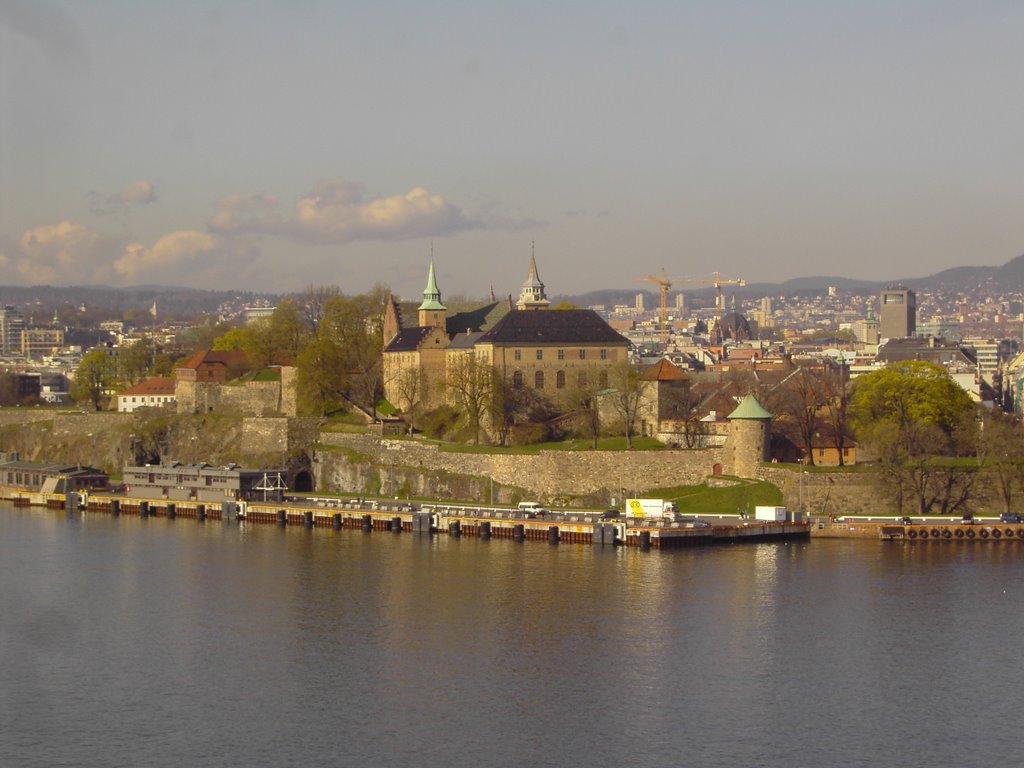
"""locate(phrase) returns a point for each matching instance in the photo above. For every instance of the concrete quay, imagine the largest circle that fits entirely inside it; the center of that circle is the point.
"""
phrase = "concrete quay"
(930, 529)
(400, 517)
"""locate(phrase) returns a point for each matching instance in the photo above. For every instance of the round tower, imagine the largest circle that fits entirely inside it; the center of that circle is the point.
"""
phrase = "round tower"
(749, 439)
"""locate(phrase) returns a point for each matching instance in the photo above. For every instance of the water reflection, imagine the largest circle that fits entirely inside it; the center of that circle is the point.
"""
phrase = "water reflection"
(164, 642)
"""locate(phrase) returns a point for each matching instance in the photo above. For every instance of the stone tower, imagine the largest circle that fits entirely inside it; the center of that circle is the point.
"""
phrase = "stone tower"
(750, 437)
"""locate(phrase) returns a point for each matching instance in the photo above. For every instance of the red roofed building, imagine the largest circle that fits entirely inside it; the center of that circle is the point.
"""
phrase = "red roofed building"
(151, 393)
(210, 366)
(666, 402)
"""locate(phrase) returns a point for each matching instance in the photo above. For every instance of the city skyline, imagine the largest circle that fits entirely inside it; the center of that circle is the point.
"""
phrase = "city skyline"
(277, 145)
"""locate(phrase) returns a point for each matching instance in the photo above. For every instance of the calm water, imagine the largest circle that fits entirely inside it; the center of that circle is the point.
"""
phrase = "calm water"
(128, 642)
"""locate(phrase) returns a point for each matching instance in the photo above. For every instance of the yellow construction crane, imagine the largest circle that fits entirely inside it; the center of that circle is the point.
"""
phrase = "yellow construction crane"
(664, 283)
(718, 281)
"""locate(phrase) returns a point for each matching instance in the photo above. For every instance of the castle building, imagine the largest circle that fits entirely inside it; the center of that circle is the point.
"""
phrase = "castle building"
(528, 344)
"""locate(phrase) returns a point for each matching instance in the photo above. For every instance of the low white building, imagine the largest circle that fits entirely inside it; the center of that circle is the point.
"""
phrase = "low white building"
(151, 393)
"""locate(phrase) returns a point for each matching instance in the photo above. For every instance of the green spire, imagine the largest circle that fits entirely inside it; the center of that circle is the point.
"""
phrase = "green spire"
(431, 294)
(749, 408)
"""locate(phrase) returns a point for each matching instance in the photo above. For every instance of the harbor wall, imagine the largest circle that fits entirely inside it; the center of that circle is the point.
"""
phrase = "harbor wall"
(363, 464)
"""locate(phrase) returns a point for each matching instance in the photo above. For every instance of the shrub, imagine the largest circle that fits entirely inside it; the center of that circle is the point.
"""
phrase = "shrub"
(439, 422)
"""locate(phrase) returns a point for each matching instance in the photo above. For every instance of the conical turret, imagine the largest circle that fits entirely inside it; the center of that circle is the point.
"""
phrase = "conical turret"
(532, 295)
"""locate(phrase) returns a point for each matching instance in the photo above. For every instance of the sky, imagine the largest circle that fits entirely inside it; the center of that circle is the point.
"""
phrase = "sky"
(272, 146)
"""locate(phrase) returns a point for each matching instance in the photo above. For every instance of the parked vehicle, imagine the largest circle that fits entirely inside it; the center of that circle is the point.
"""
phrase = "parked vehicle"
(653, 508)
(1011, 517)
(531, 509)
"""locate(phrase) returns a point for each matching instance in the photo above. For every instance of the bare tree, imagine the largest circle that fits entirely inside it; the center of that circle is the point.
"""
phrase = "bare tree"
(836, 392)
(628, 397)
(470, 383)
(681, 405)
(798, 399)
(313, 303)
(410, 386)
(581, 399)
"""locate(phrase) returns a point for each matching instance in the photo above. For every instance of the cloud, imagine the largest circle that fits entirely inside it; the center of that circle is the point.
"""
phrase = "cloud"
(173, 253)
(250, 204)
(140, 192)
(60, 253)
(229, 208)
(338, 211)
(68, 253)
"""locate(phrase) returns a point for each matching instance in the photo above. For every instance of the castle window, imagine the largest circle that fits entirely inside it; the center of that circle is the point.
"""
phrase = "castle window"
(517, 379)
(583, 354)
(538, 379)
(518, 355)
(604, 354)
(540, 354)
(561, 354)
(560, 379)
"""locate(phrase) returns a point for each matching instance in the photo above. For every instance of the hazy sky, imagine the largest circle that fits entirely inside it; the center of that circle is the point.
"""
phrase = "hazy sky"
(275, 145)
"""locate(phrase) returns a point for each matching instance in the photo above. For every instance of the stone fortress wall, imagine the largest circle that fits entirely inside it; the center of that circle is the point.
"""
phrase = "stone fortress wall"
(407, 467)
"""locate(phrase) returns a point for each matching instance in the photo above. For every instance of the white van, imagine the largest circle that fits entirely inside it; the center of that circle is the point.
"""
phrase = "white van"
(530, 508)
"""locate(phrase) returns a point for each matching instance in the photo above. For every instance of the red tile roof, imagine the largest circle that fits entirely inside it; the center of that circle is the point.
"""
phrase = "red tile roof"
(664, 370)
(226, 357)
(158, 385)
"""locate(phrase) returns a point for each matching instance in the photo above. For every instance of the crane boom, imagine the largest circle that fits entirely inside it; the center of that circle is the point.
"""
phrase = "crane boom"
(664, 283)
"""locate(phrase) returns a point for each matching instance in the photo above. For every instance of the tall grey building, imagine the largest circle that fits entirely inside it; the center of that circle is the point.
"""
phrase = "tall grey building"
(898, 314)
(11, 325)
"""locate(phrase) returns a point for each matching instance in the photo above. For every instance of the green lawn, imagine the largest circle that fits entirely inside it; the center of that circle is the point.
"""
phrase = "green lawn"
(604, 444)
(704, 500)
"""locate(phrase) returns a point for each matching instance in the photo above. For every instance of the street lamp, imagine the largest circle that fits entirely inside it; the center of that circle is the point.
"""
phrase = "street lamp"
(800, 463)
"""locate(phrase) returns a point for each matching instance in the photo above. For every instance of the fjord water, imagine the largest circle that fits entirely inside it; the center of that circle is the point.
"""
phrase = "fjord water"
(128, 642)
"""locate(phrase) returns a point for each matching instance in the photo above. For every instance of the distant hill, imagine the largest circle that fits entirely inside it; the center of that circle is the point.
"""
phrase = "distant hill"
(42, 301)
(1011, 273)
(1009, 277)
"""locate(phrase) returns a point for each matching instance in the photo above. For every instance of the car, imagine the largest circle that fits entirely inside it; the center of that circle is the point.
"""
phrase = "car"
(1011, 517)
(906, 520)
(610, 514)
(968, 518)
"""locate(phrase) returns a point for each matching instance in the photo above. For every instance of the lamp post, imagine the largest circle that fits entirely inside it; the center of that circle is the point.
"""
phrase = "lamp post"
(800, 463)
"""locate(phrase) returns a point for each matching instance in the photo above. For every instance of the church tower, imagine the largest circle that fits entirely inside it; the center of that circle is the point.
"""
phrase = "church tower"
(532, 295)
(432, 311)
